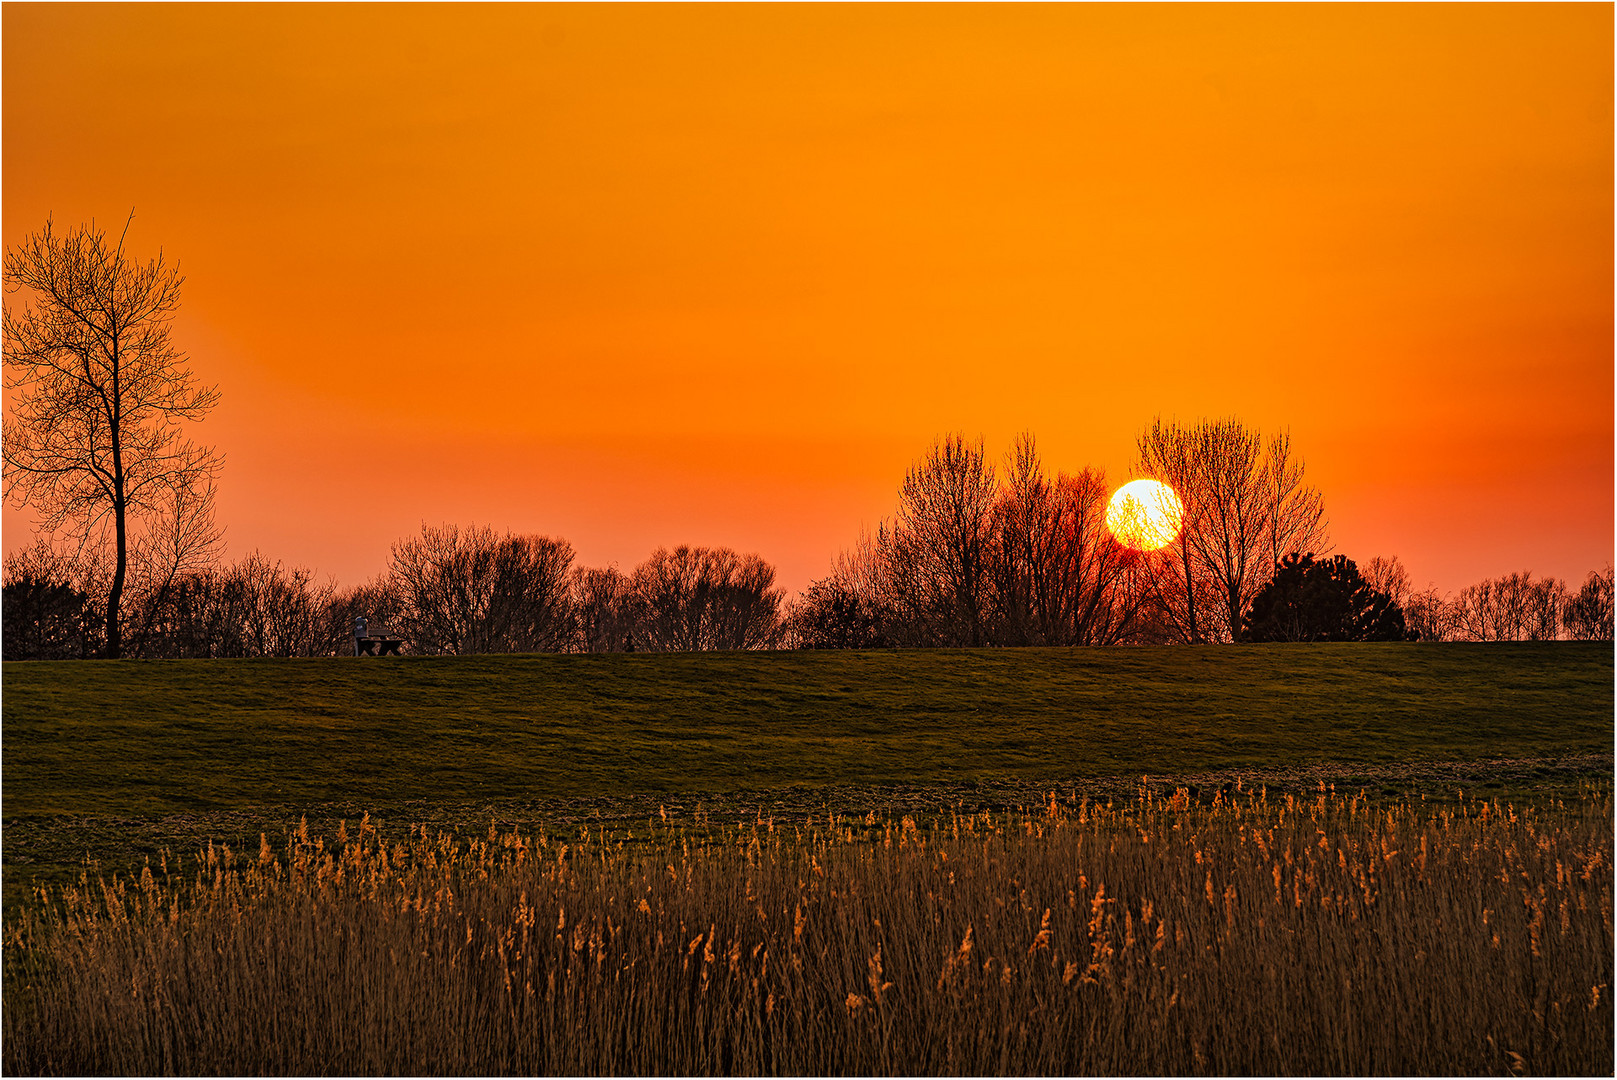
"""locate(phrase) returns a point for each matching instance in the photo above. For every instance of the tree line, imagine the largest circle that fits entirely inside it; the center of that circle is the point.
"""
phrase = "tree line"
(447, 591)
(98, 446)
(974, 556)
(1511, 607)
(1010, 555)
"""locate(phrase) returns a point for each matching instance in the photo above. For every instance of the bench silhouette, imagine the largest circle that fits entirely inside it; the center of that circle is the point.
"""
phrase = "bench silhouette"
(377, 642)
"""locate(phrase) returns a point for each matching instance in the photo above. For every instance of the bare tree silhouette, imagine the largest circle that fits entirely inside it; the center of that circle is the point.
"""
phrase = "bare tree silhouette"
(936, 553)
(474, 591)
(1246, 506)
(605, 609)
(1512, 607)
(1387, 574)
(692, 599)
(94, 440)
(1057, 576)
(1588, 615)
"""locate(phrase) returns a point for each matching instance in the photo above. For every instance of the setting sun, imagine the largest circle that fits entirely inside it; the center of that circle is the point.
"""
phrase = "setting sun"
(1145, 515)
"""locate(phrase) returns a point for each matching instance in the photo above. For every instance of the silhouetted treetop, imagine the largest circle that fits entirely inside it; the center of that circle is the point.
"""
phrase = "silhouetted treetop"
(1327, 600)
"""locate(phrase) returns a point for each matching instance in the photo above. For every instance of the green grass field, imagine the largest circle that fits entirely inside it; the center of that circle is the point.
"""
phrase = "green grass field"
(93, 751)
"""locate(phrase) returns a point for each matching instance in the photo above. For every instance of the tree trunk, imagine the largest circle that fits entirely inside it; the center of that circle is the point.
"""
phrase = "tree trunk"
(1190, 595)
(115, 594)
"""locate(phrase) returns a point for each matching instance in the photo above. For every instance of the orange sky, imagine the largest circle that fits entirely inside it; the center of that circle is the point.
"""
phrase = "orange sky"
(650, 275)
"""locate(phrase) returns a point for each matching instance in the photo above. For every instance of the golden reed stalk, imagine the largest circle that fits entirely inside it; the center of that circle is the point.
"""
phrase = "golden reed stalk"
(1329, 934)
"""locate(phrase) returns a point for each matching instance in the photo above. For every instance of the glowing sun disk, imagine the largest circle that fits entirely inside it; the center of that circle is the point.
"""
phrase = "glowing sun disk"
(1145, 515)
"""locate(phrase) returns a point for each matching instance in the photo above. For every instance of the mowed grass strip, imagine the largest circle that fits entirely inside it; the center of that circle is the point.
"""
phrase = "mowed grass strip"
(138, 739)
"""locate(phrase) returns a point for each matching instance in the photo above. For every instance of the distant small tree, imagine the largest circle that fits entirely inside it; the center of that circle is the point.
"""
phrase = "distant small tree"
(1511, 607)
(1588, 615)
(1322, 601)
(605, 609)
(464, 591)
(44, 615)
(692, 599)
(831, 615)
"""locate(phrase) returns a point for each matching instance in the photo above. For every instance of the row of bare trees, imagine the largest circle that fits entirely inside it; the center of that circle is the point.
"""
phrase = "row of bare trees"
(1512, 607)
(98, 444)
(979, 556)
(447, 591)
(975, 555)
(54, 604)
(473, 591)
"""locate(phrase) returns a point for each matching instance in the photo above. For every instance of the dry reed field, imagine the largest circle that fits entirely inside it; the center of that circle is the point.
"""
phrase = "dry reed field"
(1332, 934)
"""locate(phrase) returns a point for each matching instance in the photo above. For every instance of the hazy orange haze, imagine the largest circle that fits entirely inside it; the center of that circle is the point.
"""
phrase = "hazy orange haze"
(642, 275)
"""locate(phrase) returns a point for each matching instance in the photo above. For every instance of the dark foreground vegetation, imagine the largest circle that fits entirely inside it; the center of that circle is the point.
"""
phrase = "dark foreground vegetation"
(1256, 935)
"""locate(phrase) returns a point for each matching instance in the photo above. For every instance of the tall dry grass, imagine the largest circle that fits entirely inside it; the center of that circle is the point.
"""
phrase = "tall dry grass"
(1259, 935)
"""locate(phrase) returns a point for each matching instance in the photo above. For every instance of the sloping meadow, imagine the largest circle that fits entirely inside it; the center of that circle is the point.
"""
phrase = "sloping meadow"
(1157, 936)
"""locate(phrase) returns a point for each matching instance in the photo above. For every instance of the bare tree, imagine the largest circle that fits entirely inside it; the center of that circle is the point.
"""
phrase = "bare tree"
(181, 541)
(692, 599)
(282, 609)
(936, 552)
(195, 616)
(256, 607)
(1101, 583)
(1295, 511)
(1025, 529)
(1512, 607)
(1386, 574)
(1245, 507)
(830, 615)
(1493, 609)
(1168, 453)
(1234, 539)
(473, 591)
(1588, 616)
(530, 610)
(1545, 604)
(95, 440)
(1431, 615)
(605, 609)
(1057, 577)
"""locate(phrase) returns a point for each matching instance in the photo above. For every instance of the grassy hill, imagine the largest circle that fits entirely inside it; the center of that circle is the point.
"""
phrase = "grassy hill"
(138, 739)
(122, 761)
